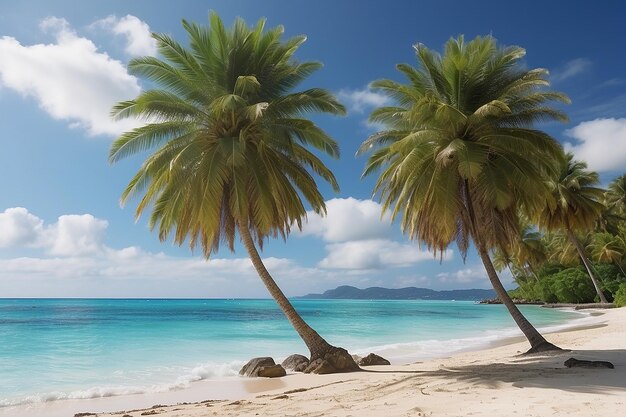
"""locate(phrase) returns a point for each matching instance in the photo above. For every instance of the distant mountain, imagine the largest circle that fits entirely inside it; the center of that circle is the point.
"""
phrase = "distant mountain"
(409, 293)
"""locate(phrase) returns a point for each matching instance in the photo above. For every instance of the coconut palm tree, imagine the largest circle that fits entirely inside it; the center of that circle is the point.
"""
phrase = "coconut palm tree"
(230, 146)
(459, 156)
(574, 207)
(608, 248)
(528, 254)
(615, 196)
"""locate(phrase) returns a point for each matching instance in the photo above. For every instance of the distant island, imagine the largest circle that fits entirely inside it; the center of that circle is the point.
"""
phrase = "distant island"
(348, 292)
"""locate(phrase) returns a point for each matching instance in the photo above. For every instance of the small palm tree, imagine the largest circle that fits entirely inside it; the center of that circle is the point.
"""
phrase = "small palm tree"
(615, 197)
(459, 157)
(230, 146)
(575, 207)
(608, 248)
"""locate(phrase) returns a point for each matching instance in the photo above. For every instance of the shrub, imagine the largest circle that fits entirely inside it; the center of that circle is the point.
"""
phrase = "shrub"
(620, 296)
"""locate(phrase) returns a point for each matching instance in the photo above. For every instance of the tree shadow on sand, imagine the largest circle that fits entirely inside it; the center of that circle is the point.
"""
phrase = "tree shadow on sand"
(537, 370)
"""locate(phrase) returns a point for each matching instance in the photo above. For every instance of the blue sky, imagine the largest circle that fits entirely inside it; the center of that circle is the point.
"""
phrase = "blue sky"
(62, 66)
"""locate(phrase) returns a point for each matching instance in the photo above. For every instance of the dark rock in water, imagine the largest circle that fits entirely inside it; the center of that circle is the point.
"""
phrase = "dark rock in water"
(320, 366)
(296, 362)
(373, 359)
(253, 365)
(577, 363)
(272, 371)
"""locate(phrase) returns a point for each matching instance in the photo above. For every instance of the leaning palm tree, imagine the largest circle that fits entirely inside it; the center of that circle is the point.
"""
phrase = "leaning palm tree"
(459, 156)
(230, 142)
(575, 207)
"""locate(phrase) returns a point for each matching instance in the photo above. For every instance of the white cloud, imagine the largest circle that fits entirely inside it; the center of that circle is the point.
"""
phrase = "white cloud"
(375, 254)
(76, 235)
(464, 276)
(571, 69)
(601, 143)
(358, 101)
(71, 235)
(139, 41)
(348, 219)
(19, 228)
(359, 238)
(70, 79)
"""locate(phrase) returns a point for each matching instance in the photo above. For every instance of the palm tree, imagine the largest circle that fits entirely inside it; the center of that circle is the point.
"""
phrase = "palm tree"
(230, 146)
(459, 156)
(608, 248)
(615, 197)
(575, 207)
(526, 256)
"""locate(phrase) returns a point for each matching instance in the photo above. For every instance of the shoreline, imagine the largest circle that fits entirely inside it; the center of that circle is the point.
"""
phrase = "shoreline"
(250, 389)
(484, 382)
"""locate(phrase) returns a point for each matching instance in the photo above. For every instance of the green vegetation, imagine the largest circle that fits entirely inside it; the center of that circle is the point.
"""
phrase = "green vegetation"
(620, 296)
(459, 157)
(602, 247)
(230, 142)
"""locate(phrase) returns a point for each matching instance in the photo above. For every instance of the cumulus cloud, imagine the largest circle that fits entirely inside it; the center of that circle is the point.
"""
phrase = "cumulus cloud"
(348, 219)
(76, 235)
(70, 79)
(463, 276)
(375, 254)
(19, 228)
(71, 235)
(359, 238)
(139, 41)
(600, 142)
(571, 69)
(359, 101)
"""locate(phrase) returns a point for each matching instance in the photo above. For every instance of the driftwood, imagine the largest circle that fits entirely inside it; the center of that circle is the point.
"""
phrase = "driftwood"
(577, 363)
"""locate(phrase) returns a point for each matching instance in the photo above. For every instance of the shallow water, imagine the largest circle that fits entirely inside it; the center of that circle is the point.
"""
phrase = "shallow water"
(84, 348)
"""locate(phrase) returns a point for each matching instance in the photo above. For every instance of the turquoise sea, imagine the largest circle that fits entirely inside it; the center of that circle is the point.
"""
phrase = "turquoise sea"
(53, 349)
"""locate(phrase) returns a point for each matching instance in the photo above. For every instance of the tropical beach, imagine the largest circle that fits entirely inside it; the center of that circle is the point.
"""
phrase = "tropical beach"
(497, 380)
(236, 211)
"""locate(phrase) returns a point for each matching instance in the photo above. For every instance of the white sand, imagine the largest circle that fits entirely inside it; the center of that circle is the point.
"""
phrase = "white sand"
(496, 382)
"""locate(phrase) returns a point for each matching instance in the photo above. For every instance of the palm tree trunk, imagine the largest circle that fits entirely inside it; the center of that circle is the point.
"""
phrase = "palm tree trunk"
(583, 257)
(318, 347)
(537, 342)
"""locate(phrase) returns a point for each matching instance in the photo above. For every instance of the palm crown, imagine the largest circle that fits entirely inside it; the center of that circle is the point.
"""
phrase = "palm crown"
(231, 146)
(576, 202)
(461, 133)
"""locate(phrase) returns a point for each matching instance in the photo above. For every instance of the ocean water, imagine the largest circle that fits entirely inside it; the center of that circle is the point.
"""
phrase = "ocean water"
(52, 349)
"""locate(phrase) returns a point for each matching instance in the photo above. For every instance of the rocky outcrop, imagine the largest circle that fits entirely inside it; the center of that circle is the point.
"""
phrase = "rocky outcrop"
(337, 360)
(272, 371)
(373, 359)
(252, 367)
(296, 362)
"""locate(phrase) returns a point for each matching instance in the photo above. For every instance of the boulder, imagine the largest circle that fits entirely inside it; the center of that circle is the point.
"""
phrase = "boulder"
(320, 366)
(272, 371)
(341, 360)
(296, 363)
(253, 365)
(373, 359)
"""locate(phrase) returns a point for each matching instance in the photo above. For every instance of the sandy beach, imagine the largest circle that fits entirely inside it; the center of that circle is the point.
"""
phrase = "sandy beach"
(494, 382)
